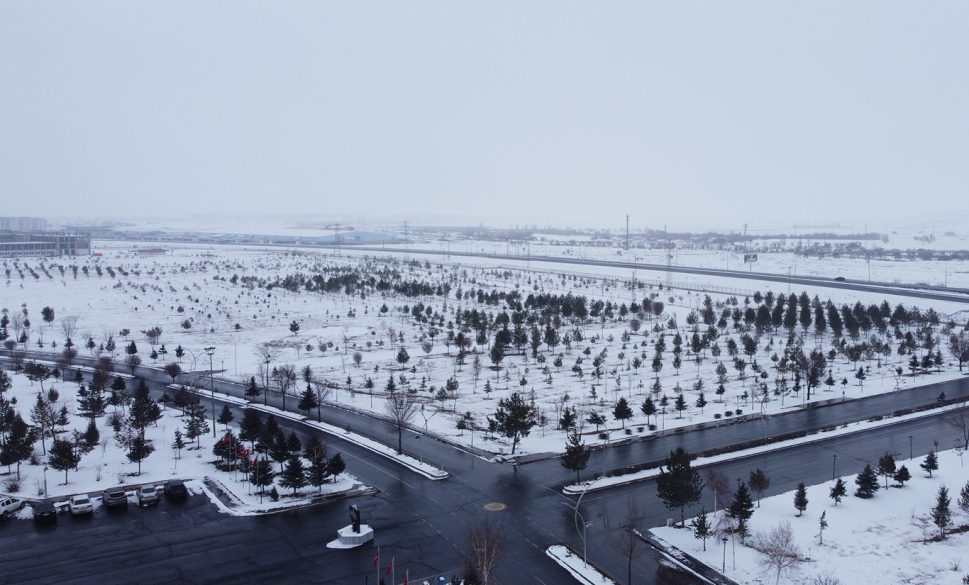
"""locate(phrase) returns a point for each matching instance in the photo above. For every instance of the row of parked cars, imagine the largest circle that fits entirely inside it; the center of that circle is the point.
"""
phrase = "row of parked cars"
(113, 498)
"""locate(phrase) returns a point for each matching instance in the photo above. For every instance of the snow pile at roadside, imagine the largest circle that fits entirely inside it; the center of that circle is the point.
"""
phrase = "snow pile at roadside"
(583, 572)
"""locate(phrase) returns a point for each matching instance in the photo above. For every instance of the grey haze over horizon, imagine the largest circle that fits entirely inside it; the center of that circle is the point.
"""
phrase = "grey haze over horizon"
(695, 115)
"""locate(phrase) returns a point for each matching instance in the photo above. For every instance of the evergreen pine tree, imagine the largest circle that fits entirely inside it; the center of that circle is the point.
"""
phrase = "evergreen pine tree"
(251, 426)
(941, 514)
(261, 474)
(19, 443)
(515, 417)
(931, 463)
(800, 499)
(838, 491)
(867, 482)
(963, 501)
(293, 444)
(901, 476)
(139, 450)
(701, 527)
(576, 456)
(318, 469)
(293, 475)
(678, 484)
(622, 411)
(741, 509)
(252, 390)
(178, 444)
(196, 423)
(307, 400)
(336, 466)
(63, 456)
(680, 405)
(91, 436)
(759, 483)
(144, 411)
(225, 417)
(648, 408)
(886, 467)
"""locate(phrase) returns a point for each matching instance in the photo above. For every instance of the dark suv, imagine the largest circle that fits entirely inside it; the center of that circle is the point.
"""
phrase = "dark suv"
(114, 498)
(44, 511)
(175, 490)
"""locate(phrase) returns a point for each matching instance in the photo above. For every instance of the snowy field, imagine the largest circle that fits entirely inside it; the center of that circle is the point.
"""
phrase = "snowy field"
(106, 464)
(890, 538)
(255, 307)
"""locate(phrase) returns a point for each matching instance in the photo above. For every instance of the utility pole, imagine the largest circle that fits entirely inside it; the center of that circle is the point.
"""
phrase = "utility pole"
(750, 265)
(210, 351)
(669, 260)
(627, 232)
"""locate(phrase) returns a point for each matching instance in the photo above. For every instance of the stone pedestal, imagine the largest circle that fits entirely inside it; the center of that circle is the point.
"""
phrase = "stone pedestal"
(347, 538)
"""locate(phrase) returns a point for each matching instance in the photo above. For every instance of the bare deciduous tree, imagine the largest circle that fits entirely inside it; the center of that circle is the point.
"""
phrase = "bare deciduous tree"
(625, 540)
(401, 408)
(780, 552)
(69, 326)
(487, 542)
(960, 420)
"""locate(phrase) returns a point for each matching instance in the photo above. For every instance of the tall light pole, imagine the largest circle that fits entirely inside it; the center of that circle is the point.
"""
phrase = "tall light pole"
(911, 454)
(724, 568)
(834, 465)
(211, 351)
(578, 516)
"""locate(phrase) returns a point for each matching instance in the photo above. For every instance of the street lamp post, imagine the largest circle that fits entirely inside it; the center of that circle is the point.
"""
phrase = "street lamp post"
(210, 351)
(723, 569)
(578, 516)
(265, 391)
(911, 454)
(45, 481)
(834, 465)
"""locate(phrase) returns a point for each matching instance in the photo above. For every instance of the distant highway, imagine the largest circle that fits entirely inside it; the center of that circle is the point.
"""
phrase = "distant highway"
(922, 291)
(913, 290)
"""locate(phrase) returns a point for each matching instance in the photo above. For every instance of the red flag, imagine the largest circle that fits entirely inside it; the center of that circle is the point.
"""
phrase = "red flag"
(390, 567)
(407, 574)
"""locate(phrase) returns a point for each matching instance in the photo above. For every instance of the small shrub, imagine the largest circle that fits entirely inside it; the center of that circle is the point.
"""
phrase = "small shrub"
(728, 413)
(652, 427)
(12, 486)
(739, 412)
(629, 431)
(603, 436)
(717, 416)
(639, 429)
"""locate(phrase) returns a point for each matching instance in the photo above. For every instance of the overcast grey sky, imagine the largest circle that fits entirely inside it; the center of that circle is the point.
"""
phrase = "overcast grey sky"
(710, 113)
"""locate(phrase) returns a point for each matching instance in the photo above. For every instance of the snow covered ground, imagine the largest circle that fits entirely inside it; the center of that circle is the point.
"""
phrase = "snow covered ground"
(107, 466)
(887, 539)
(203, 296)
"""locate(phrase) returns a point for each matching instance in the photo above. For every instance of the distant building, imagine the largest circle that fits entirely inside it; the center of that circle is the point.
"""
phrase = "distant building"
(23, 224)
(15, 244)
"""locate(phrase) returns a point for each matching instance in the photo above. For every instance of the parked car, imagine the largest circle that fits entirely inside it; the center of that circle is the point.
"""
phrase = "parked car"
(10, 505)
(147, 495)
(45, 511)
(81, 504)
(175, 490)
(114, 498)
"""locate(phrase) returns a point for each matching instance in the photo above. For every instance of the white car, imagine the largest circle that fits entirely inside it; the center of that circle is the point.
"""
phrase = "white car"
(147, 495)
(80, 504)
(9, 505)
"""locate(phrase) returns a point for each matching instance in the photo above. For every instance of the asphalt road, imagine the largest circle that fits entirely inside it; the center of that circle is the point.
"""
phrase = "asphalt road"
(914, 290)
(420, 522)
